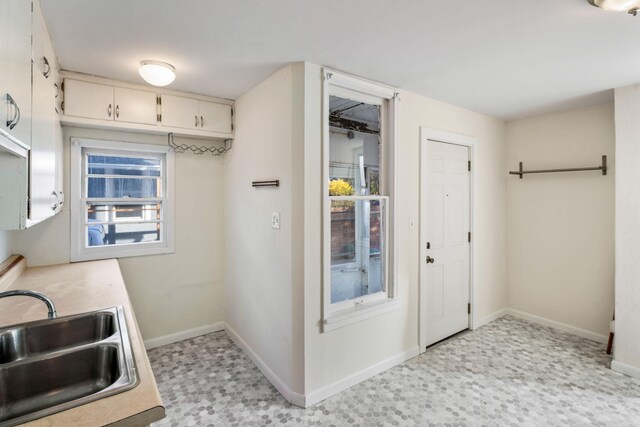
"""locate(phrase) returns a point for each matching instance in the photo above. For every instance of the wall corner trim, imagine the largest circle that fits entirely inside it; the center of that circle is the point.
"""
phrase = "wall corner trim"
(490, 318)
(625, 369)
(353, 379)
(291, 396)
(557, 325)
(183, 335)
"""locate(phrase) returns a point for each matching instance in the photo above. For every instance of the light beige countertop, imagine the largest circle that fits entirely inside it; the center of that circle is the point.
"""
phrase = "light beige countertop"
(77, 288)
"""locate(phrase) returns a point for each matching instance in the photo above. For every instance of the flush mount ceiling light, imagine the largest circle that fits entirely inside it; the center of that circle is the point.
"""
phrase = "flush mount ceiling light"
(157, 73)
(629, 6)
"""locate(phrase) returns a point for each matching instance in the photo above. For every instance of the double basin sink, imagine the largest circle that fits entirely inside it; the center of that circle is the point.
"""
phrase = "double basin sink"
(48, 366)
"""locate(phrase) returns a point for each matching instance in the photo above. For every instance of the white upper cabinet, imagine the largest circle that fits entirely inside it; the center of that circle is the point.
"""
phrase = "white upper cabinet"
(136, 106)
(215, 117)
(30, 183)
(15, 69)
(43, 168)
(99, 102)
(180, 112)
(88, 100)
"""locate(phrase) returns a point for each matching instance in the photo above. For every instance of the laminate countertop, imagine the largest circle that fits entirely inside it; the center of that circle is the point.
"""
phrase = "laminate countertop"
(78, 288)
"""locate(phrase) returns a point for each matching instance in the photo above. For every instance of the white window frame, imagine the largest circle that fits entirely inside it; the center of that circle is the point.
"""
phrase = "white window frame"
(347, 312)
(79, 250)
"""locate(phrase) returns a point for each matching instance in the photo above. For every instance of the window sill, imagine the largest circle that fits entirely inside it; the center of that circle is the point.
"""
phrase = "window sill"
(358, 313)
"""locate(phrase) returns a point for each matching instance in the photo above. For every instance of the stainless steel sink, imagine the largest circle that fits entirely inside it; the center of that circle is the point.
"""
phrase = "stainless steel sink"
(49, 366)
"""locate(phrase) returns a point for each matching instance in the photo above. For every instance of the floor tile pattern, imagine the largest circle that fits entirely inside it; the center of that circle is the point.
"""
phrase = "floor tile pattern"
(507, 373)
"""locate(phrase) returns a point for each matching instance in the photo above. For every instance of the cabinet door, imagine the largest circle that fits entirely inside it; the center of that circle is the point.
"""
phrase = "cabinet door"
(43, 162)
(88, 100)
(180, 112)
(215, 117)
(136, 106)
(15, 69)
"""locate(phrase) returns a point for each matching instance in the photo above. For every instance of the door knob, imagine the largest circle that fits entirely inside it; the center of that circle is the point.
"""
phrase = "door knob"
(430, 260)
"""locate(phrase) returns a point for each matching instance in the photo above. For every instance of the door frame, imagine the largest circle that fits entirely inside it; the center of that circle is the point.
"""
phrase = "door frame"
(436, 135)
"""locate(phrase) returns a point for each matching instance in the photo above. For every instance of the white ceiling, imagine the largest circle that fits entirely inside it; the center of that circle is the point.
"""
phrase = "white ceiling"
(505, 58)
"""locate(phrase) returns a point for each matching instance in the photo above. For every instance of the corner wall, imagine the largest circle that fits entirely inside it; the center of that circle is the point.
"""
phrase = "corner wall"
(561, 225)
(627, 217)
(345, 356)
(263, 284)
(5, 245)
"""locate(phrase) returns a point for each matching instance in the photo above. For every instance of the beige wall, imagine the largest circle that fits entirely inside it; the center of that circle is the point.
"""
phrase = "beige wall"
(561, 226)
(170, 293)
(627, 176)
(332, 356)
(5, 245)
(260, 267)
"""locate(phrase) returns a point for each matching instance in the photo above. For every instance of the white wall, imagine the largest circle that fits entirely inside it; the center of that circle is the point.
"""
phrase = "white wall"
(627, 177)
(561, 226)
(333, 356)
(260, 260)
(5, 245)
(170, 293)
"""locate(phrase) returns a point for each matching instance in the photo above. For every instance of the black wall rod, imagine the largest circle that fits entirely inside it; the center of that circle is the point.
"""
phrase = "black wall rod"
(273, 183)
(602, 168)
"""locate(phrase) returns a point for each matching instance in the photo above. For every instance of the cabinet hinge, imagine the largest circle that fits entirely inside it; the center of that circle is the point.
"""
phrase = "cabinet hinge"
(62, 106)
(469, 308)
(469, 165)
(62, 86)
(469, 237)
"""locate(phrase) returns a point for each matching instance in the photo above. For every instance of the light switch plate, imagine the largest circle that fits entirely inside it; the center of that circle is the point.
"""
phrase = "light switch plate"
(275, 220)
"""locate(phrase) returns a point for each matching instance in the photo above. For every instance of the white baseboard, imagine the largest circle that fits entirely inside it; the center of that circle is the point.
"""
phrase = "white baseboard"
(490, 318)
(343, 384)
(623, 368)
(183, 335)
(291, 396)
(557, 325)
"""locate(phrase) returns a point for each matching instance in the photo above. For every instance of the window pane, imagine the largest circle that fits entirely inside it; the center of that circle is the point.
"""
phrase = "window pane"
(354, 147)
(122, 233)
(357, 248)
(123, 212)
(124, 187)
(120, 165)
(126, 227)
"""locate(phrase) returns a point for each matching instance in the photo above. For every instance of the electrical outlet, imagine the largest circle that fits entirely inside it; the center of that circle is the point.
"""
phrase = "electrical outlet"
(275, 220)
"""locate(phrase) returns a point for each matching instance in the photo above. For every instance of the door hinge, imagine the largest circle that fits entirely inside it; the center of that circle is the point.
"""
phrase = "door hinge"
(469, 165)
(62, 106)
(469, 308)
(469, 237)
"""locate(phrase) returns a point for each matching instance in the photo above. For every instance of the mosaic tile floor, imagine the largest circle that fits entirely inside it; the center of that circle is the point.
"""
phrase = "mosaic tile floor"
(510, 372)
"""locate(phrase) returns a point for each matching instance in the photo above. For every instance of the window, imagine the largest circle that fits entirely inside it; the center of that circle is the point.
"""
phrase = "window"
(121, 199)
(359, 127)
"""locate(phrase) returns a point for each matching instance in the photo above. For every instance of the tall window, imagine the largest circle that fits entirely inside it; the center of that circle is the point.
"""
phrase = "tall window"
(358, 247)
(121, 200)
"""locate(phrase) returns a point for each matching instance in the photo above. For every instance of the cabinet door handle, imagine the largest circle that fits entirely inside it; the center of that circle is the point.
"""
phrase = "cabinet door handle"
(201, 122)
(54, 206)
(109, 110)
(47, 71)
(16, 115)
(12, 122)
(117, 111)
(196, 121)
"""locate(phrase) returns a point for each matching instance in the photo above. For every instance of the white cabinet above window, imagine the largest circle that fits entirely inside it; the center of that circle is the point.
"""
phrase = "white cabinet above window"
(180, 112)
(88, 100)
(98, 102)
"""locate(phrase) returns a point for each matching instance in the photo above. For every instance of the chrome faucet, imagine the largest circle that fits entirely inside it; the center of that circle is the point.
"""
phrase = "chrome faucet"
(42, 297)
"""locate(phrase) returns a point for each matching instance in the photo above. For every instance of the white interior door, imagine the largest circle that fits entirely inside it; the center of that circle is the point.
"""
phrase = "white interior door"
(445, 240)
